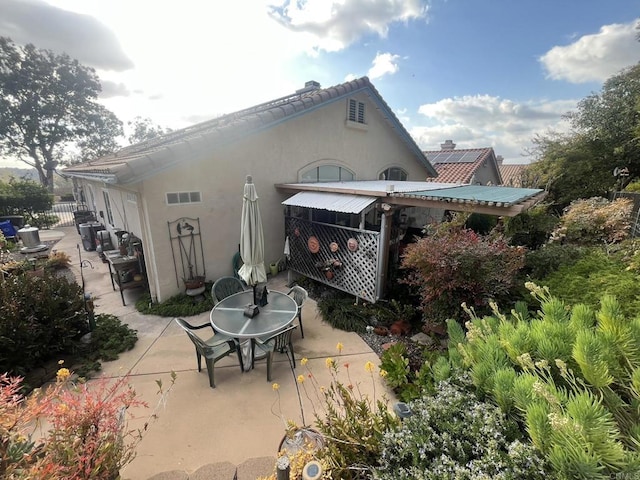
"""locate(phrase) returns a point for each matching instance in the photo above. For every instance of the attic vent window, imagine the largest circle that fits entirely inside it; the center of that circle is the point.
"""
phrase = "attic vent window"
(176, 198)
(356, 111)
(355, 114)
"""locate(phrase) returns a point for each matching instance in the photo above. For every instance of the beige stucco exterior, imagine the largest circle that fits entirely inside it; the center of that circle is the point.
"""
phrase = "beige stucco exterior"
(279, 154)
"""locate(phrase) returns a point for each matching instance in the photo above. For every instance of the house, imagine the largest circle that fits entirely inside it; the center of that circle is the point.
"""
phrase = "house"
(512, 173)
(181, 194)
(473, 166)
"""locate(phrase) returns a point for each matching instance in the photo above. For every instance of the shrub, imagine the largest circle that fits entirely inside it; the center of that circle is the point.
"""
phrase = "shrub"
(86, 434)
(456, 265)
(595, 221)
(24, 197)
(591, 277)
(550, 257)
(39, 319)
(532, 228)
(569, 375)
(454, 435)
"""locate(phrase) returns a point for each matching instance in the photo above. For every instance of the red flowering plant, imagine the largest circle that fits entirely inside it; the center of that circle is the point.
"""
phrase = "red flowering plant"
(455, 265)
(85, 428)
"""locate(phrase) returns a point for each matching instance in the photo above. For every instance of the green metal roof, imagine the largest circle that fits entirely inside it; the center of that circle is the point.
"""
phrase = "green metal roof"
(479, 193)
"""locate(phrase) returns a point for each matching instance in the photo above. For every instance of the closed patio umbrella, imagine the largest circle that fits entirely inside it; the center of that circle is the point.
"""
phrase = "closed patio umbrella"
(251, 238)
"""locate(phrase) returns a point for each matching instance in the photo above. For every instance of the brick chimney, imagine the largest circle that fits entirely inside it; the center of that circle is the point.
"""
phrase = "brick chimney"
(448, 145)
(499, 160)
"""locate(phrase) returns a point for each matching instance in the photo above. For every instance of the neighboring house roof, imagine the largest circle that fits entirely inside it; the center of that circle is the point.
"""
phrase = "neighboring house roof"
(512, 174)
(136, 162)
(459, 166)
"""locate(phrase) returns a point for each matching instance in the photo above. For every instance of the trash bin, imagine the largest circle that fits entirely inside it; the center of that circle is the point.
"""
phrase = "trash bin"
(83, 216)
(88, 233)
(103, 238)
(16, 220)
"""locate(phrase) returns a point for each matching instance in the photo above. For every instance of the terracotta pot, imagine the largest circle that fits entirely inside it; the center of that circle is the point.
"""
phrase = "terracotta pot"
(328, 274)
(382, 331)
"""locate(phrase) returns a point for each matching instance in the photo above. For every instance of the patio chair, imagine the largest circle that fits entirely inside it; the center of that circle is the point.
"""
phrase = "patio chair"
(279, 342)
(299, 294)
(225, 286)
(213, 349)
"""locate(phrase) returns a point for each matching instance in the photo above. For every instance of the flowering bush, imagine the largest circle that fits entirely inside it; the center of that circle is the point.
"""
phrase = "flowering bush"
(87, 434)
(351, 422)
(595, 221)
(456, 265)
(454, 435)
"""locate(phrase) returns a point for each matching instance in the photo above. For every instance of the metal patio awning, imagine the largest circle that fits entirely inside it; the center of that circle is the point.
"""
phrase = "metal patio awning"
(334, 202)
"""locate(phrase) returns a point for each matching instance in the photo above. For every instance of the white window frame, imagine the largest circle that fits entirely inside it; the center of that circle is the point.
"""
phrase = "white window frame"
(340, 178)
(389, 170)
(183, 198)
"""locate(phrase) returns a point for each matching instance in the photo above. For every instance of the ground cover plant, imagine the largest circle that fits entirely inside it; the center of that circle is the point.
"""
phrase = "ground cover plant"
(452, 434)
(180, 305)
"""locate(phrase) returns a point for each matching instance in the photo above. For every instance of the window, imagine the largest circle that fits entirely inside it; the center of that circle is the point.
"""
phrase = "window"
(107, 206)
(176, 198)
(394, 173)
(327, 173)
(356, 111)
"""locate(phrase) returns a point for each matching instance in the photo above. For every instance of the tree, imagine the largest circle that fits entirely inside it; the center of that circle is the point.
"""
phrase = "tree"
(605, 136)
(144, 129)
(48, 109)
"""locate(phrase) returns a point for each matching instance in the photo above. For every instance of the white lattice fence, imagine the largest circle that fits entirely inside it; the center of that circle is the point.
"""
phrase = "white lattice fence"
(352, 270)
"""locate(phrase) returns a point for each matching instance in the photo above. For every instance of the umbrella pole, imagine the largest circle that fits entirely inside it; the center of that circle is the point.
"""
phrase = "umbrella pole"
(254, 295)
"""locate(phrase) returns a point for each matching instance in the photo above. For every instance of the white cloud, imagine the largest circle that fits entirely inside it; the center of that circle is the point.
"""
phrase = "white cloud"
(594, 58)
(49, 27)
(383, 64)
(487, 121)
(335, 24)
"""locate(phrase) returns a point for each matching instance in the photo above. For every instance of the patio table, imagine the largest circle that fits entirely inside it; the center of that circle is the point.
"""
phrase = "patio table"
(227, 317)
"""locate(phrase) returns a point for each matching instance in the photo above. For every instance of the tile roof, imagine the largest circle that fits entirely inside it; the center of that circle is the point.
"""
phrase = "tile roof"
(512, 174)
(457, 171)
(139, 161)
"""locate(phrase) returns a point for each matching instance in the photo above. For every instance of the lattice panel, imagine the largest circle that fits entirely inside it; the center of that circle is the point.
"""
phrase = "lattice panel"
(353, 272)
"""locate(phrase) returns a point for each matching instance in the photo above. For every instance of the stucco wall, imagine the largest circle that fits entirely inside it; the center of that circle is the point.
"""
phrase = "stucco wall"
(277, 155)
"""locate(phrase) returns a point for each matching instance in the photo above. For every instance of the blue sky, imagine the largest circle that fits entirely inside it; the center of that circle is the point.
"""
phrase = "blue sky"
(482, 73)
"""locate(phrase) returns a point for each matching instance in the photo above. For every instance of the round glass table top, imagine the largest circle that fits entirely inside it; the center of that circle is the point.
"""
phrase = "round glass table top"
(227, 316)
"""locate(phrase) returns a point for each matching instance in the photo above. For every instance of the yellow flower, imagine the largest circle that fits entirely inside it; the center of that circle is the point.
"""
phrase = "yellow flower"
(275, 386)
(369, 367)
(304, 361)
(63, 374)
(383, 373)
(329, 362)
(300, 378)
(339, 346)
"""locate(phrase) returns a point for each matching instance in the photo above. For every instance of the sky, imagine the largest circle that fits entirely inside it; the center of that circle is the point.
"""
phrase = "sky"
(483, 73)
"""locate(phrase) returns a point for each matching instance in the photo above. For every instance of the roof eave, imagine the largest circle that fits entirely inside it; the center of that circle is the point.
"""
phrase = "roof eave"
(96, 177)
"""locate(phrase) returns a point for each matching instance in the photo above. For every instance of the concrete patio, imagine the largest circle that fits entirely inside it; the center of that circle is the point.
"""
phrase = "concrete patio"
(232, 431)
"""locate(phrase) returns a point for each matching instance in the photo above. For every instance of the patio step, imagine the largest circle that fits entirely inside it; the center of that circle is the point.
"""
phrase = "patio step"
(248, 470)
